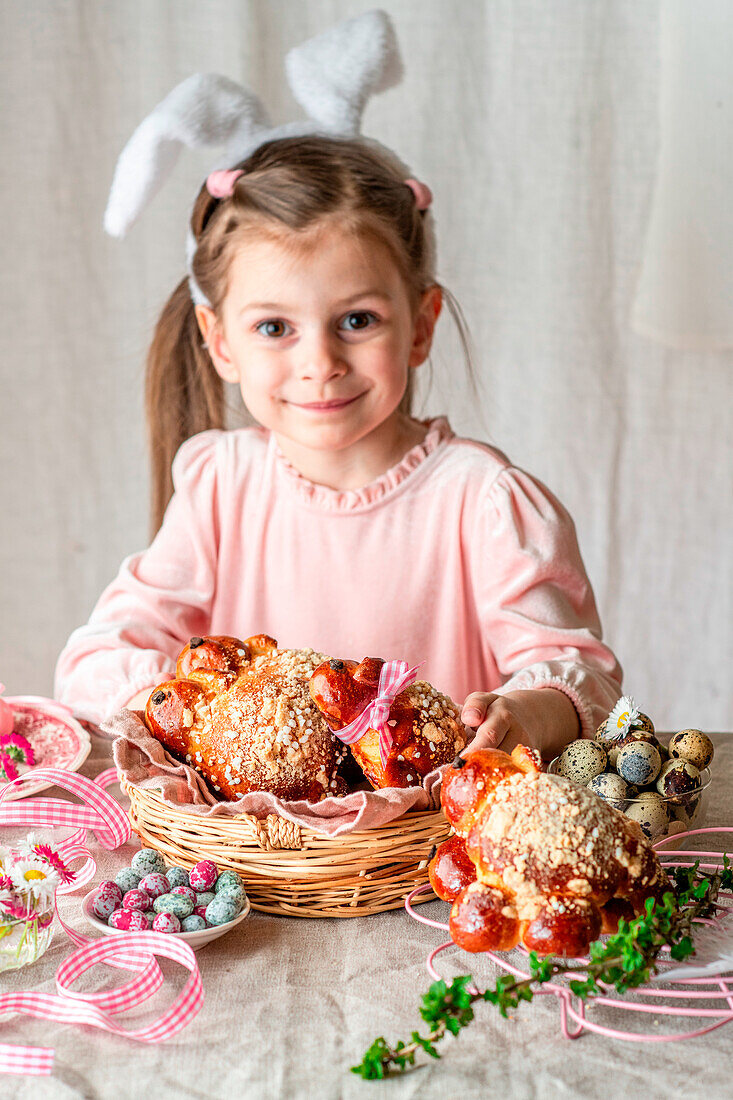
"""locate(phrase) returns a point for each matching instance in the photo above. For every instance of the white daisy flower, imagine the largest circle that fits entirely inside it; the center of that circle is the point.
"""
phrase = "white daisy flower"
(35, 877)
(25, 845)
(621, 720)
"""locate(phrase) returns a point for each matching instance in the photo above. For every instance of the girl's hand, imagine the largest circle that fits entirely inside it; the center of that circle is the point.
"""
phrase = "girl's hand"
(542, 718)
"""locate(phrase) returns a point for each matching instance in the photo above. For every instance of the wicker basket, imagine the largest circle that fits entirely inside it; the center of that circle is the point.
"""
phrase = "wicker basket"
(295, 871)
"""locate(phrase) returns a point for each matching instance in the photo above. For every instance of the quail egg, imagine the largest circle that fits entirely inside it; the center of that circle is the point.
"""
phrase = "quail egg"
(582, 760)
(611, 788)
(639, 762)
(687, 812)
(614, 747)
(650, 813)
(678, 780)
(693, 746)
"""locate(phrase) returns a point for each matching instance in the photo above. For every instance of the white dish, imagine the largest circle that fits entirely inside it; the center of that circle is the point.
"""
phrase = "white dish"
(193, 939)
(67, 747)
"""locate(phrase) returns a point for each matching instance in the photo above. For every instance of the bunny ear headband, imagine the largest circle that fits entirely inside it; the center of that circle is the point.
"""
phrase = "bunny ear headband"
(331, 77)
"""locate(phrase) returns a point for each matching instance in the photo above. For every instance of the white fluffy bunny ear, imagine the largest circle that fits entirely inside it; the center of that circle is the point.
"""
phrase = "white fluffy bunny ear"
(333, 74)
(205, 109)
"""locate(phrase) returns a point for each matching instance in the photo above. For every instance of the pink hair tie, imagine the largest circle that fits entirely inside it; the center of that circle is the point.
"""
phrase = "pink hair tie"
(423, 194)
(220, 185)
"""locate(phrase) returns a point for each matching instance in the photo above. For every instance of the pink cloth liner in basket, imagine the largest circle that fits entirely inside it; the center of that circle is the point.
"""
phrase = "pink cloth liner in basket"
(143, 762)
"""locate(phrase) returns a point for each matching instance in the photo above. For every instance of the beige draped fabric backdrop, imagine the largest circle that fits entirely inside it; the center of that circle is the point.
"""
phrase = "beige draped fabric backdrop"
(537, 125)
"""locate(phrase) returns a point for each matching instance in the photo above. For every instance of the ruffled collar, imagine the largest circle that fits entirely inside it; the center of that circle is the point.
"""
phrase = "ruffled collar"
(354, 500)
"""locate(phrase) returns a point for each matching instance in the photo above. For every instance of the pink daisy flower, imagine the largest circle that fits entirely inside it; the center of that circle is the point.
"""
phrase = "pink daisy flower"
(8, 770)
(17, 909)
(6, 883)
(44, 851)
(18, 748)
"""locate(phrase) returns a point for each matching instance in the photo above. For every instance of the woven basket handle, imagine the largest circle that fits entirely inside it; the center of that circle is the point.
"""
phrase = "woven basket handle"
(276, 832)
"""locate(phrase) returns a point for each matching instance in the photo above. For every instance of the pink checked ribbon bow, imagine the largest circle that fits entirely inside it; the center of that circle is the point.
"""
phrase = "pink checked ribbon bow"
(394, 677)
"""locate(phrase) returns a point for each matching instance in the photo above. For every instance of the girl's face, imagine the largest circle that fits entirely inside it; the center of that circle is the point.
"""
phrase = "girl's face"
(320, 342)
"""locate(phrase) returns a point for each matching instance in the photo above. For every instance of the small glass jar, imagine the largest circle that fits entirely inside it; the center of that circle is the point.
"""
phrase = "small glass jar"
(25, 931)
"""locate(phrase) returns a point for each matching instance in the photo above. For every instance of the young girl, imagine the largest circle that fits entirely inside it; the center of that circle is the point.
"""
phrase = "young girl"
(341, 522)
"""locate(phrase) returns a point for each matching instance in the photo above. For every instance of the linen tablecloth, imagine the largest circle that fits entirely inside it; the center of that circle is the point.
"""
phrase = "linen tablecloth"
(290, 1004)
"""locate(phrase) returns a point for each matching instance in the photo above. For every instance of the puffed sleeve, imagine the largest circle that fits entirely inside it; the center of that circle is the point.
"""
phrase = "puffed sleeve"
(535, 601)
(159, 599)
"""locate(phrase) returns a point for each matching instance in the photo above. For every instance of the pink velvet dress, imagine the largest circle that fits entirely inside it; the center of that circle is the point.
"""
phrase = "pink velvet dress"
(452, 557)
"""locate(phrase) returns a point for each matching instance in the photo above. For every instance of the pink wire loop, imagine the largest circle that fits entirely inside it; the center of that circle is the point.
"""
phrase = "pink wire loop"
(679, 1001)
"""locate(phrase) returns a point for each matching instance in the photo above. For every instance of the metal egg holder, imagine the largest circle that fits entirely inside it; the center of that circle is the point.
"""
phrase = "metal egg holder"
(707, 1001)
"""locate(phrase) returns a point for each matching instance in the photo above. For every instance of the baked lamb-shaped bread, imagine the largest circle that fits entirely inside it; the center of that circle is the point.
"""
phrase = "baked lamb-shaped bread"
(553, 864)
(240, 713)
(424, 725)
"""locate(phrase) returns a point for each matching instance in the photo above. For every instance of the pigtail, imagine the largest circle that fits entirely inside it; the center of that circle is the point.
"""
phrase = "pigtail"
(183, 393)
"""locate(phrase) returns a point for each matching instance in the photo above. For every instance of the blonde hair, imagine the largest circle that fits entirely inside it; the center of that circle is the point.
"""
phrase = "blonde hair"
(289, 187)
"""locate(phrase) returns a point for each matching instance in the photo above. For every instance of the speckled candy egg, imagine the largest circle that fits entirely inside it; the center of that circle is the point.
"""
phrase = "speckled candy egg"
(128, 920)
(678, 780)
(111, 889)
(104, 905)
(203, 875)
(650, 812)
(154, 884)
(204, 898)
(226, 878)
(639, 762)
(148, 862)
(136, 899)
(127, 879)
(234, 890)
(166, 922)
(193, 923)
(185, 892)
(581, 761)
(174, 903)
(120, 919)
(694, 746)
(611, 788)
(177, 876)
(200, 911)
(222, 909)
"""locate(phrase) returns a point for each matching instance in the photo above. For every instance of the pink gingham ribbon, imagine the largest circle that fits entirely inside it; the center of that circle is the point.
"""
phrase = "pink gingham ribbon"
(98, 1009)
(394, 677)
(134, 951)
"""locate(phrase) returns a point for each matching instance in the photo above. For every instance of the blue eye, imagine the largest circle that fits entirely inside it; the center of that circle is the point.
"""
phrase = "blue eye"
(266, 327)
(363, 315)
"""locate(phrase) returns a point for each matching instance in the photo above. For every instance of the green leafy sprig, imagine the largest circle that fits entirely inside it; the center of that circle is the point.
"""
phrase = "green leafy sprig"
(623, 961)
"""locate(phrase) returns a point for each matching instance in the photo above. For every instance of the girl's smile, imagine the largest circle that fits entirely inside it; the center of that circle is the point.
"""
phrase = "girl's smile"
(320, 339)
(327, 406)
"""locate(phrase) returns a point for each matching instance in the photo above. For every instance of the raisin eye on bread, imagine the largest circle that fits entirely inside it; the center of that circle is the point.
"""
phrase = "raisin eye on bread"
(536, 859)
